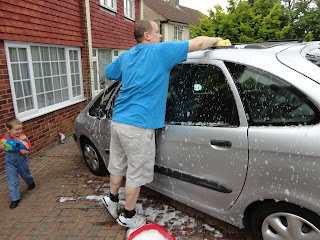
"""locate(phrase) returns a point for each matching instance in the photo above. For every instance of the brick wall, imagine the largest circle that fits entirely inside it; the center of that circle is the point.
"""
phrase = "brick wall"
(112, 31)
(49, 21)
(42, 131)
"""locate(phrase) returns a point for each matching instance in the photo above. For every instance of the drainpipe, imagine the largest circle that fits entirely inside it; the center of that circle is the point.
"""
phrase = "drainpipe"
(141, 9)
(88, 21)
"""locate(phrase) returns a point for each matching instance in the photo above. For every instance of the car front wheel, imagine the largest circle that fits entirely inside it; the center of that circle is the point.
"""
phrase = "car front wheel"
(283, 221)
(93, 159)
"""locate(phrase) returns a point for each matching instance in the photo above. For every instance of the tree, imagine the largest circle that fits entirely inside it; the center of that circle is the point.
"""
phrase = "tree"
(303, 18)
(245, 21)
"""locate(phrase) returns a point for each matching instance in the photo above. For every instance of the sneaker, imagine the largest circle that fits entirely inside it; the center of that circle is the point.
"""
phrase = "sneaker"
(32, 186)
(135, 222)
(14, 204)
(112, 207)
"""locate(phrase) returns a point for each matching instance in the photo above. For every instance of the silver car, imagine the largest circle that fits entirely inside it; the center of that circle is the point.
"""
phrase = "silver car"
(241, 140)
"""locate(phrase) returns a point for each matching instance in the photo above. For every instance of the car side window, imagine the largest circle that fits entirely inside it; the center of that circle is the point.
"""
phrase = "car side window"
(101, 106)
(270, 100)
(200, 95)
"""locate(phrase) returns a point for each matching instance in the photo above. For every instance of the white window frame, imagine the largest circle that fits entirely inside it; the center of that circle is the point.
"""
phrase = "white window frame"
(109, 4)
(177, 30)
(36, 111)
(129, 9)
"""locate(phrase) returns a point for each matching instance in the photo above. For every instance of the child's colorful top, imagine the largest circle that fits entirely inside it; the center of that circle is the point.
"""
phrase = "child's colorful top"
(16, 144)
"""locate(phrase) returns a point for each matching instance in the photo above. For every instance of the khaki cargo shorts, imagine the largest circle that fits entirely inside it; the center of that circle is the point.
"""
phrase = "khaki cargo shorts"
(132, 153)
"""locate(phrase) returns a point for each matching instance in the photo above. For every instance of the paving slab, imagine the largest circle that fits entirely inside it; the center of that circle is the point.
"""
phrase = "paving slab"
(66, 204)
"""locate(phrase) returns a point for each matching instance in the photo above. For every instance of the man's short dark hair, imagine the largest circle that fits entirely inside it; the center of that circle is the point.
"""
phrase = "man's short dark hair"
(140, 28)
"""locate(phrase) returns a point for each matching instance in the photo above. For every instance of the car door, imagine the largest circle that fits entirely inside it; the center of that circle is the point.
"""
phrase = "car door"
(284, 129)
(101, 113)
(202, 153)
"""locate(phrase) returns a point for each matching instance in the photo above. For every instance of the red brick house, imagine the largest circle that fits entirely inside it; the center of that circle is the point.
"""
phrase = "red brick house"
(52, 59)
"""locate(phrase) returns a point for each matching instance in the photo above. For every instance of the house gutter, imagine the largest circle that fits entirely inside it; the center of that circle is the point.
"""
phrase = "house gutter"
(88, 22)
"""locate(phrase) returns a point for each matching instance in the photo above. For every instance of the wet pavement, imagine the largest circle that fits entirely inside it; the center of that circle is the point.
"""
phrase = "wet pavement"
(66, 204)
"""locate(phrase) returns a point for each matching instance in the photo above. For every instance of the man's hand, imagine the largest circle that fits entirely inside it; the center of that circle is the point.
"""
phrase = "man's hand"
(202, 42)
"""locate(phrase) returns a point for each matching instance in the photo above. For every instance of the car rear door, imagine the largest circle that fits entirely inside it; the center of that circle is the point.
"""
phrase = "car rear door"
(202, 153)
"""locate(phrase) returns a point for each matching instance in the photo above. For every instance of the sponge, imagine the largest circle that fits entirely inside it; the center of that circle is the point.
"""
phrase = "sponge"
(222, 43)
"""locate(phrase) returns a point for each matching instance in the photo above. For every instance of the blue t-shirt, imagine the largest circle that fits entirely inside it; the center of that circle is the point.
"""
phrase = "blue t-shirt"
(144, 71)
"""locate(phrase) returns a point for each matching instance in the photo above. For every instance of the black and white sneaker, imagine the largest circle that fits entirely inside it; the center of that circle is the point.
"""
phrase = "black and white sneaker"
(112, 207)
(135, 222)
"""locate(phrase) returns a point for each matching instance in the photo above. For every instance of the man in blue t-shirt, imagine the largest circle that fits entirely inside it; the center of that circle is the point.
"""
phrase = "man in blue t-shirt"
(140, 109)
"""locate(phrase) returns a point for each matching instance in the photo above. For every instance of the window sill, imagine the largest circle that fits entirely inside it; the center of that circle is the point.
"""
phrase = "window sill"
(29, 116)
(108, 10)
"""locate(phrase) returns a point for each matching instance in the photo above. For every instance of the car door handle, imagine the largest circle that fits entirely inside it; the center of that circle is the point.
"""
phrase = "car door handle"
(220, 143)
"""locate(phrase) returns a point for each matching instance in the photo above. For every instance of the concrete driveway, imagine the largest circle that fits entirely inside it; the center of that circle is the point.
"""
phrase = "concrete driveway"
(66, 205)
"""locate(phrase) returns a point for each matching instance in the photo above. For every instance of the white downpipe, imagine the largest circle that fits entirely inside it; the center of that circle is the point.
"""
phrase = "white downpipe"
(141, 9)
(91, 74)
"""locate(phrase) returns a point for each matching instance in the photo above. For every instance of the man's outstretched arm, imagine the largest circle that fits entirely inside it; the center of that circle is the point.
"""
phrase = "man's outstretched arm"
(202, 42)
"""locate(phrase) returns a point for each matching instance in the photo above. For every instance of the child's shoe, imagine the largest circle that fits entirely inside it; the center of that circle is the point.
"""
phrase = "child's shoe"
(135, 222)
(14, 204)
(112, 207)
(32, 186)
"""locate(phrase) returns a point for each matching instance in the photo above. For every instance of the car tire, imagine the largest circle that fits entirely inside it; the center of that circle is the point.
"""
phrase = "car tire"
(271, 221)
(93, 158)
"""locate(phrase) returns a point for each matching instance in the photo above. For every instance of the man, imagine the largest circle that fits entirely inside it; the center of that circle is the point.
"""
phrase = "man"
(140, 109)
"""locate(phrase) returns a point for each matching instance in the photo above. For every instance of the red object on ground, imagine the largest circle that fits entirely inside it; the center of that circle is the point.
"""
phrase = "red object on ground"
(152, 226)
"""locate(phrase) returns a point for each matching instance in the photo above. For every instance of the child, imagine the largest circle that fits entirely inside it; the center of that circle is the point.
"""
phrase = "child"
(16, 162)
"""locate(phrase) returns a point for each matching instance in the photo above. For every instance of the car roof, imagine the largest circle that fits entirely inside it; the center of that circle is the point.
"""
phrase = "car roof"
(262, 55)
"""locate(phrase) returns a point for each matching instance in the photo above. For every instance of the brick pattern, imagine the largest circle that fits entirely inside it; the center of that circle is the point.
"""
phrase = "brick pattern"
(50, 21)
(112, 31)
(61, 172)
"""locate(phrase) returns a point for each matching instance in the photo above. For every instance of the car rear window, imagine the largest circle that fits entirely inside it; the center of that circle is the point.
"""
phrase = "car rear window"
(314, 56)
(270, 100)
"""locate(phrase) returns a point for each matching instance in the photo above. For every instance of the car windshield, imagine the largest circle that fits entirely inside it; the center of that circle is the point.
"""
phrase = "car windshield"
(314, 56)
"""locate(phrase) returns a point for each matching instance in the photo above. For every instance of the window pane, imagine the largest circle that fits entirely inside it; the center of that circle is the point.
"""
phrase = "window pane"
(56, 83)
(76, 67)
(72, 67)
(44, 53)
(55, 70)
(39, 85)
(37, 70)
(64, 81)
(65, 94)
(13, 55)
(15, 72)
(271, 100)
(63, 69)
(77, 79)
(22, 54)
(24, 70)
(41, 101)
(18, 89)
(75, 55)
(46, 69)
(61, 54)
(314, 56)
(58, 96)
(73, 80)
(49, 98)
(53, 54)
(27, 88)
(35, 53)
(29, 103)
(48, 84)
(200, 95)
(20, 104)
(71, 55)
